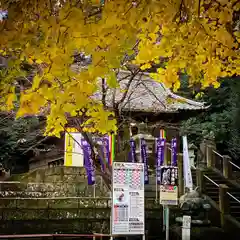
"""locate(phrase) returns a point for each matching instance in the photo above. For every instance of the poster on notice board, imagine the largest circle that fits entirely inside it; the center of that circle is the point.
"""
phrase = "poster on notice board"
(128, 199)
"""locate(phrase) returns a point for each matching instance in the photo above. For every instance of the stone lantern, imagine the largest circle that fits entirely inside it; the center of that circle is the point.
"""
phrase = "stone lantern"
(143, 132)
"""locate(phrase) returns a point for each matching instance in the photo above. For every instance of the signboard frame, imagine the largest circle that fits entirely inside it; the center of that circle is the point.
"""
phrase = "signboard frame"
(137, 195)
(169, 189)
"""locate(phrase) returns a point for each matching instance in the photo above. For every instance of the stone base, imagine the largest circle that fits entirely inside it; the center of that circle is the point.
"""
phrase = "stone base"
(194, 222)
(199, 233)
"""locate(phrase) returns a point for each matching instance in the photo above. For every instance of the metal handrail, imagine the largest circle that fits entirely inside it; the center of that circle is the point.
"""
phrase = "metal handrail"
(93, 236)
(55, 198)
(31, 183)
(209, 179)
(236, 166)
(229, 194)
(217, 153)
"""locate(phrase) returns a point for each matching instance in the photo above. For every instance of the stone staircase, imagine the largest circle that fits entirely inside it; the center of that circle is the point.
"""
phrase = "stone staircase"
(150, 189)
(194, 176)
(212, 182)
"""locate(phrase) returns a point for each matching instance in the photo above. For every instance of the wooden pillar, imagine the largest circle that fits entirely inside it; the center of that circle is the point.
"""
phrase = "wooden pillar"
(223, 203)
(180, 175)
(227, 167)
(200, 180)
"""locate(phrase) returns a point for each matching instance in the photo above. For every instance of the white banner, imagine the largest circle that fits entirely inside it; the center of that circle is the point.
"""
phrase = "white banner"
(186, 166)
(127, 199)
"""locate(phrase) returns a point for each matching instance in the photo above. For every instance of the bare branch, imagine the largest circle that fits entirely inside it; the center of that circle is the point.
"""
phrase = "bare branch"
(127, 87)
(96, 151)
(103, 92)
(35, 145)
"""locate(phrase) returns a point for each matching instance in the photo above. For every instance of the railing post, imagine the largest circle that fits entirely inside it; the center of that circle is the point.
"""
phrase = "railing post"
(200, 179)
(180, 175)
(209, 156)
(202, 155)
(223, 203)
(227, 167)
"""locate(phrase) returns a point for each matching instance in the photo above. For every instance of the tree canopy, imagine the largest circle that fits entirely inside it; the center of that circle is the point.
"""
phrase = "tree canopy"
(220, 122)
(200, 38)
(19, 139)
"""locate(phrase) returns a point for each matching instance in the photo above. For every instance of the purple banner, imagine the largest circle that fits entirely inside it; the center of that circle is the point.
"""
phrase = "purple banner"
(159, 158)
(144, 159)
(88, 162)
(132, 151)
(174, 151)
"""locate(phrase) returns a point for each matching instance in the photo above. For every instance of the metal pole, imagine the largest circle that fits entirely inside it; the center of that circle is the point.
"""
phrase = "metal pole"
(164, 218)
(101, 182)
(110, 220)
(167, 221)
(111, 238)
(156, 188)
(94, 190)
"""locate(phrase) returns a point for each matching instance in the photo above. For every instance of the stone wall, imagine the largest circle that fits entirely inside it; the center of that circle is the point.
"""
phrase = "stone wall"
(54, 182)
(27, 206)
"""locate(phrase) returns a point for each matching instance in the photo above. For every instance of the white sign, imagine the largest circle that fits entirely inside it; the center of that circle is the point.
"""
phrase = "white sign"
(168, 195)
(186, 165)
(168, 187)
(186, 228)
(127, 199)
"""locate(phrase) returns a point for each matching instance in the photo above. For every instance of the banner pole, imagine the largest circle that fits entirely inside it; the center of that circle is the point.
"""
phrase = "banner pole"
(156, 185)
(156, 193)
(111, 212)
(167, 222)
(164, 218)
(94, 190)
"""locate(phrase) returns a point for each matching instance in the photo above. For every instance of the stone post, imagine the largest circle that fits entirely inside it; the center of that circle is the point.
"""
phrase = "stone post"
(227, 166)
(180, 175)
(200, 180)
(223, 203)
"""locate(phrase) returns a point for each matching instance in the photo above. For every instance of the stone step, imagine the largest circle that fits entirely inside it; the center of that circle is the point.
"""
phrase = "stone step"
(233, 203)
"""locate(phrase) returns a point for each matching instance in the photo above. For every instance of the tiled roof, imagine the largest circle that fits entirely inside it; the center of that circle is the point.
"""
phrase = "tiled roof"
(146, 95)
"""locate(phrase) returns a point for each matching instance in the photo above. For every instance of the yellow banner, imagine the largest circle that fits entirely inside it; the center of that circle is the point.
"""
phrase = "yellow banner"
(73, 156)
(69, 149)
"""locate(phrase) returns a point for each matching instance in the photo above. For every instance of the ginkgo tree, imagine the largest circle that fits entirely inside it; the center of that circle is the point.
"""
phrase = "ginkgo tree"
(198, 37)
